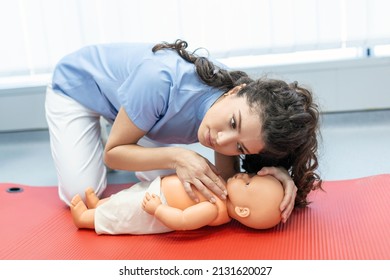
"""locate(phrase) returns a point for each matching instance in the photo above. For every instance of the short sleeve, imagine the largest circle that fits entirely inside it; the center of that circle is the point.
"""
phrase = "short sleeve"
(145, 93)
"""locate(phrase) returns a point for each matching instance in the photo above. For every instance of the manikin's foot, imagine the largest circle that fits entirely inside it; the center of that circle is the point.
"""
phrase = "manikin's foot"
(91, 198)
(77, 208)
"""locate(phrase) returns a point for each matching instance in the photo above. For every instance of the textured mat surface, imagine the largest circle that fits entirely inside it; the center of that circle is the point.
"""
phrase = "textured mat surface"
(350, 220)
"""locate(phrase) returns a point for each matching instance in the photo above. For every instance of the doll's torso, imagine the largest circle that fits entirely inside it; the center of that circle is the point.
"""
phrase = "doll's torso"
(177, 197)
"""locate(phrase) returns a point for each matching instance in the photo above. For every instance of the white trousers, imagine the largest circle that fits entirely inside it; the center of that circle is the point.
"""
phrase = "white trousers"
(77, 148)
(123, 213)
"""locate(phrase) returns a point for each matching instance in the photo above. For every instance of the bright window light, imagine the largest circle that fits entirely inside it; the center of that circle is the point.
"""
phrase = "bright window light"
(382, 50)
(36, 34)
(292, 58)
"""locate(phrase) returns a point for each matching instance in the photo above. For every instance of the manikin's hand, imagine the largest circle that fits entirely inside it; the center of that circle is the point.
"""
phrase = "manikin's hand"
(193, 169)
(150, 203)
(290, 190)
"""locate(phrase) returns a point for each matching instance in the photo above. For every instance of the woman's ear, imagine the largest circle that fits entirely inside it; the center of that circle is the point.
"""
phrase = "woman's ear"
(243, 212)
(235, 90)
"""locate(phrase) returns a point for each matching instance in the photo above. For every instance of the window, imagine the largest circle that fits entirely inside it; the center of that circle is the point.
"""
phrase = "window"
(37, 33)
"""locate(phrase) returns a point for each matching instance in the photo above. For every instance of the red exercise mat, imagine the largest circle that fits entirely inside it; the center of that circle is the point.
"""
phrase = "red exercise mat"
(350, 220)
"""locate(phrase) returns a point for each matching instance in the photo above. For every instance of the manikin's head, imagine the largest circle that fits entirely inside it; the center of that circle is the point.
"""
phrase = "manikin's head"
(254, 201)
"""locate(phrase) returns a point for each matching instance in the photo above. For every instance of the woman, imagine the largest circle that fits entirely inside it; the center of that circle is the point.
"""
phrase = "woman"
(160, 95)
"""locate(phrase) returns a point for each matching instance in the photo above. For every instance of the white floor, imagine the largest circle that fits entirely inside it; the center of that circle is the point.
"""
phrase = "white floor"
(353, 145)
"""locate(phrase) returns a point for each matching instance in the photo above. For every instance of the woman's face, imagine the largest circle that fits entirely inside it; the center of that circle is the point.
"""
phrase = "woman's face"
(231, 128)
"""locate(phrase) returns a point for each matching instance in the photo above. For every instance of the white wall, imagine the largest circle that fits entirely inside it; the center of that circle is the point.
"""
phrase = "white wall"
(359, 84)
(349, 85)
(22, 108)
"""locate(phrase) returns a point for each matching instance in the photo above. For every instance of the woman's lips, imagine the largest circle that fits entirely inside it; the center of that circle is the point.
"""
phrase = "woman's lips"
(208, 139)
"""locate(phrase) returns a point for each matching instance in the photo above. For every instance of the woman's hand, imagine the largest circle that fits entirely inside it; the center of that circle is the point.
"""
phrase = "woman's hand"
(290, 190)
(150, 203)
(193, 169)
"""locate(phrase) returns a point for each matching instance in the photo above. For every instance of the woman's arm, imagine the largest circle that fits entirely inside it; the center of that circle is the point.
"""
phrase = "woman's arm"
(193, 217)
(122, 152)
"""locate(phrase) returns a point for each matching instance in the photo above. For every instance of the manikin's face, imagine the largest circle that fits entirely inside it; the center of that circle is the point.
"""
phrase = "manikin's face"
(242, 188)
(231, 128)
(254, 200)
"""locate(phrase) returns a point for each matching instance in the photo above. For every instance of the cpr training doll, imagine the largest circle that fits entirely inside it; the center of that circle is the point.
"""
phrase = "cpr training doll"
(163, 205)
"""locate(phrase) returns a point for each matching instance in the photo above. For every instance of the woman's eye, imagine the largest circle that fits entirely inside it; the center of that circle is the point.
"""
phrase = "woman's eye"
(233, 123)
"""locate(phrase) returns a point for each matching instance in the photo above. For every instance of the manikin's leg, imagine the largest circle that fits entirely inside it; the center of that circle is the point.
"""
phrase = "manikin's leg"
(82, 216)
(91, 199)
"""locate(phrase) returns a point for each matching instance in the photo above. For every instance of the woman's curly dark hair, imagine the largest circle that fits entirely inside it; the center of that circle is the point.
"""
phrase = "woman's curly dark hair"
(290, 127)
(209, 73)
(289, 120)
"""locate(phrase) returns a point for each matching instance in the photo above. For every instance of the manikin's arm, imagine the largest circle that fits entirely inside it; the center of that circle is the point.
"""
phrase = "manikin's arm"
(193, 217)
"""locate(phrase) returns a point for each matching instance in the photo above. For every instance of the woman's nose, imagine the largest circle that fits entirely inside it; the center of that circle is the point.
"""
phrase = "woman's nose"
(225, 138)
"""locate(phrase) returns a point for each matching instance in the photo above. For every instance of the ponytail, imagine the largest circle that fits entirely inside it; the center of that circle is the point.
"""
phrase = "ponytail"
(208, 72)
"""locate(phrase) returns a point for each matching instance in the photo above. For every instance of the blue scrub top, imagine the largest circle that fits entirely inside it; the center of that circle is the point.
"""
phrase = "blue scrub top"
(161, 92)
